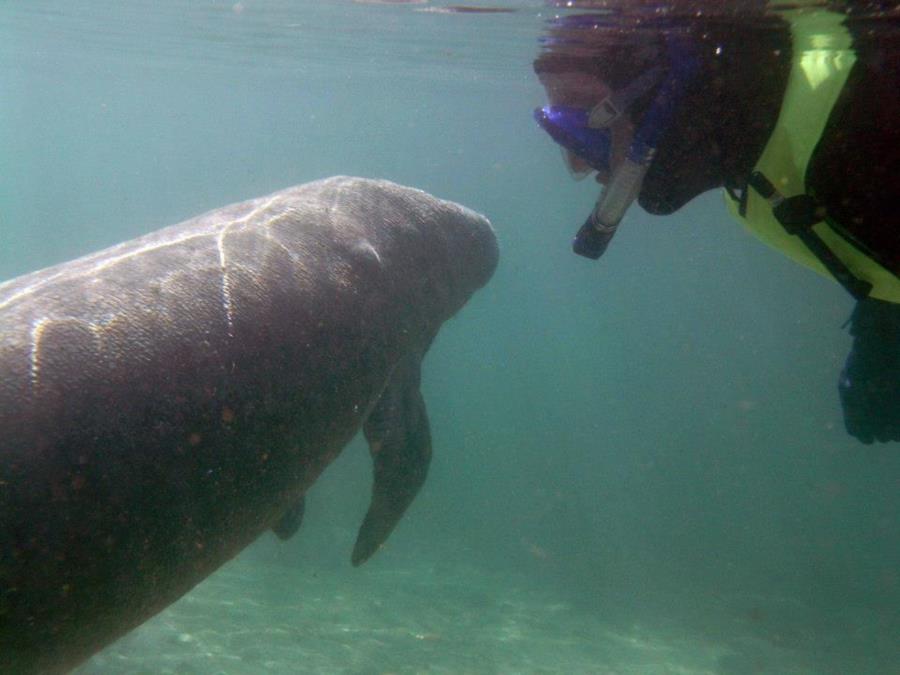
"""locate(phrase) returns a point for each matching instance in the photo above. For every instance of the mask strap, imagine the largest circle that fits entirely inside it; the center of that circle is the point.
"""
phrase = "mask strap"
(619, 102)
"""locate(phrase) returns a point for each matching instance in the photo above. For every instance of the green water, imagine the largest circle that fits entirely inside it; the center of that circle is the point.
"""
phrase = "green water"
(640, 464)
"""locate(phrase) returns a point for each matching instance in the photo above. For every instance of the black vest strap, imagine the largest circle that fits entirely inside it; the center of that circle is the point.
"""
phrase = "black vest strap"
(797, 215)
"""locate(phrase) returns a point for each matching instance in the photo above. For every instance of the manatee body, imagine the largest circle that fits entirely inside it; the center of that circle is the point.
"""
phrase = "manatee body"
(167, 400)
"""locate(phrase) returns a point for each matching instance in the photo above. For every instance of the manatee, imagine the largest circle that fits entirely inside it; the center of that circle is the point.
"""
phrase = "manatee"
(166, 401)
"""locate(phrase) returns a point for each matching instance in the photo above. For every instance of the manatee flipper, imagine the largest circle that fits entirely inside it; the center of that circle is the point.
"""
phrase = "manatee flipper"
(400, 444)
(290, 521)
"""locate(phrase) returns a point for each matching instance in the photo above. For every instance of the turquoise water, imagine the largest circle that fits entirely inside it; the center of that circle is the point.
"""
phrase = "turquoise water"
(640, 464)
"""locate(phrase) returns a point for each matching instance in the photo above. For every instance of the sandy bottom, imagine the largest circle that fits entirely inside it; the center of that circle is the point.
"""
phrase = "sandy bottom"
(260, 618)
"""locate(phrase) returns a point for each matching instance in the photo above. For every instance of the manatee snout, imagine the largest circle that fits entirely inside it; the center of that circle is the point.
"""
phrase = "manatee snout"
(470, 251)
(476, 248)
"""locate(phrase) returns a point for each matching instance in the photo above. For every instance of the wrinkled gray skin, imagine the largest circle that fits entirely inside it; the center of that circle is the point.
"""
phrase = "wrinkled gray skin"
(165, 401)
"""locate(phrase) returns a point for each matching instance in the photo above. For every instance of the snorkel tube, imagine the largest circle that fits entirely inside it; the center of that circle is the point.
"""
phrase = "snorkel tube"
(624, 186)
(586, 134)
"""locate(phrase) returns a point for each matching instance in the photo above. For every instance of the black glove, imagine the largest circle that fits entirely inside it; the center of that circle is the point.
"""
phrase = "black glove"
(870, 382)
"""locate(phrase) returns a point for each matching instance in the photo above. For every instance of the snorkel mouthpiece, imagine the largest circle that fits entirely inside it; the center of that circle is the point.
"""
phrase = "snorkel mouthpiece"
(598, 230)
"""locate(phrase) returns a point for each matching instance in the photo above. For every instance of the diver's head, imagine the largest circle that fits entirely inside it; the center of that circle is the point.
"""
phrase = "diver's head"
(690, 101)
(615, 127)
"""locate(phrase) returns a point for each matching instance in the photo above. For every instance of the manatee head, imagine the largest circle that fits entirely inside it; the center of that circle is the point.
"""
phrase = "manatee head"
(441, 248)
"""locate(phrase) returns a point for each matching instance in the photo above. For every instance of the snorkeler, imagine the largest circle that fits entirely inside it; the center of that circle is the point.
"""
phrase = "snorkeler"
(794, 116)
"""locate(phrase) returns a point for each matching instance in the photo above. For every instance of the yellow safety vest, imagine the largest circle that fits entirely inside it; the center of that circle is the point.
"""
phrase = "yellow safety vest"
(822, 58)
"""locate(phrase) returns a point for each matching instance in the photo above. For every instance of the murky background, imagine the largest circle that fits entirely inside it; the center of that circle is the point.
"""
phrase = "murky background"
(640, 464)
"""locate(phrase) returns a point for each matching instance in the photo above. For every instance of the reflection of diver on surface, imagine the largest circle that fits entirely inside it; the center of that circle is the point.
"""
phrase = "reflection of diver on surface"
(795, 116)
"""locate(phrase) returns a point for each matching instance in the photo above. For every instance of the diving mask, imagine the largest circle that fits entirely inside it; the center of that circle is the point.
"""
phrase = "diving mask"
(586, 133)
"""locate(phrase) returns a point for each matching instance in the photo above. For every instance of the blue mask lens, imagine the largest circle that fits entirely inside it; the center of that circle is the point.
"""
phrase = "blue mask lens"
(568, 126)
